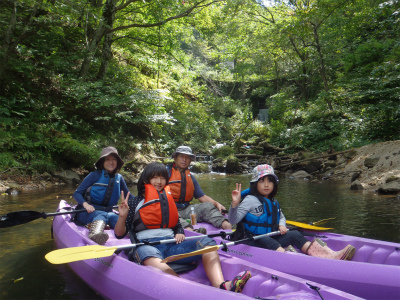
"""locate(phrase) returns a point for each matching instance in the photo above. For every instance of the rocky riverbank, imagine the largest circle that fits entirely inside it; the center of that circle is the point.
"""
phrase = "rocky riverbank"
(374, 167)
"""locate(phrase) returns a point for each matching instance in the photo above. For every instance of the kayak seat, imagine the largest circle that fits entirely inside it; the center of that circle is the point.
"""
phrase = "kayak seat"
(394, 258)
(182, 268)
(376, 255)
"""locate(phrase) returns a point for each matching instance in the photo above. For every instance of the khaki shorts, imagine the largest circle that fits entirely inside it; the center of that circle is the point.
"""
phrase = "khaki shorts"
(205, 212)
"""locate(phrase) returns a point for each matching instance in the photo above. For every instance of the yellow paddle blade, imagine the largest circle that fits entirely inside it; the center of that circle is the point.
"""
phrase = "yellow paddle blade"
(320, 222)
(197, 252)
(67, 255)
(306, 226)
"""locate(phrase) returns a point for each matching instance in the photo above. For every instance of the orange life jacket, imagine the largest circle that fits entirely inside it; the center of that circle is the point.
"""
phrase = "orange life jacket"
(158, 210)
(181, 185)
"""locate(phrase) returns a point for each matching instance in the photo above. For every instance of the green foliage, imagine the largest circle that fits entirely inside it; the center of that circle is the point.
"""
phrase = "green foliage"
(197, 80)
(8, 161)
(42, 166)
(74, 154)
(223, 151)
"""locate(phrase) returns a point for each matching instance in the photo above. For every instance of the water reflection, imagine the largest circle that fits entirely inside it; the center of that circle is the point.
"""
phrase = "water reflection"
(25, 274)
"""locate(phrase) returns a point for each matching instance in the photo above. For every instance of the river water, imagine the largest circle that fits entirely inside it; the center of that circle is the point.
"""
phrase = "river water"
(25, 274)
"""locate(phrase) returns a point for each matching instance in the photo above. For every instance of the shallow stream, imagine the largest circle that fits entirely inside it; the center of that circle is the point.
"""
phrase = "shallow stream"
(25, 274)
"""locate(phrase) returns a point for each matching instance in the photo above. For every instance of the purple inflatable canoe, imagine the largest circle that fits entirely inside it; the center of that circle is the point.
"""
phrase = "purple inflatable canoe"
(115, 277)
(373, 273)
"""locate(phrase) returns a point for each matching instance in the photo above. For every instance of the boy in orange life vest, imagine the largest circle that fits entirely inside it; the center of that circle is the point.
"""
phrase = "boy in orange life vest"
(184, 187)
(153, 216)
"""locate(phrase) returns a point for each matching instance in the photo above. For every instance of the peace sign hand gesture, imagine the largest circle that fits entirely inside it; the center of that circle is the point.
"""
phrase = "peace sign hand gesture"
(236, 195)
(123, 208)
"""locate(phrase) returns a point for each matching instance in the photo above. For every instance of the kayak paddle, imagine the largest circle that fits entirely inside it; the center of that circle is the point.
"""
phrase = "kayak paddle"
(67, 255)
(223, 246)
(307, 226)
(320, 222)
(311, 226)
(24, 216)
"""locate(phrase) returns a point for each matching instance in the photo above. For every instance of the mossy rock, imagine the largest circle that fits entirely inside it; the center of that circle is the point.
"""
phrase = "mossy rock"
(200, 168)
(233, 164)
(223, 151)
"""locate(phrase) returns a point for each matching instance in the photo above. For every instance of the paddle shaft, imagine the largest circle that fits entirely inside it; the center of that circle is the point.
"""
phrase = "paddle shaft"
(24, 216)
(77, 211)
(222, 233)
(67, 255)
(223, 246)
(311, 226)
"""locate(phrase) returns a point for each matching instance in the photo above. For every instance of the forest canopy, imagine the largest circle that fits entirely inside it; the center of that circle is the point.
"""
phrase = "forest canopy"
(80, 75)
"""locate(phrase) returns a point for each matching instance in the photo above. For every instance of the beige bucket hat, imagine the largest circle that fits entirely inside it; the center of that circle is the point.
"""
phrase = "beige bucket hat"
(106, 152)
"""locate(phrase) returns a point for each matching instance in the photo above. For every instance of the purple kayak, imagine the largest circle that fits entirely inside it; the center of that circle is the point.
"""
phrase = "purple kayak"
(373, 273)
(115, 277)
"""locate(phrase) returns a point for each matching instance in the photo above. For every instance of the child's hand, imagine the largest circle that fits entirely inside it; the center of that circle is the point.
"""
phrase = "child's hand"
(179, 238)
(236, 196)
(283, 229)
(123, 208)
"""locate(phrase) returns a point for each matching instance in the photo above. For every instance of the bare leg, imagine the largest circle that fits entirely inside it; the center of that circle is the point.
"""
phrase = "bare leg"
(280, 249)
(212, 266)
(305, 247)
(226, 225)
(156, 262)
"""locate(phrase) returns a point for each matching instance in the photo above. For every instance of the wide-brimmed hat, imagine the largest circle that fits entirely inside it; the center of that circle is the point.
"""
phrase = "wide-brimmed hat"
(262, 171)
(106, 152)
(184, 150)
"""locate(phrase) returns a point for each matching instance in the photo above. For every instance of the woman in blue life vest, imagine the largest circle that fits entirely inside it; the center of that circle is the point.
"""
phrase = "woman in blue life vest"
(101, 189)
(260, 213)
(152, 216)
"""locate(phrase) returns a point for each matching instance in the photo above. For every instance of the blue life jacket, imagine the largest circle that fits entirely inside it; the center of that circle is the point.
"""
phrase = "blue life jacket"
(265, 223)
(106, 191)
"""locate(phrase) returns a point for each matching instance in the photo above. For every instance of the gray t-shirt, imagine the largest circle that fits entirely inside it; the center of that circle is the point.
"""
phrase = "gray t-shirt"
(250, 204)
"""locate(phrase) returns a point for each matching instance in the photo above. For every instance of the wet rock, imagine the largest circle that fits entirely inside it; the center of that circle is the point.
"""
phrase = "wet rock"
(330, 164)
(199, 168)
(392, 178)
(45, 176)
(355, 176)
(313, 166)
(371, 162)
(68, 176)
(357, 185)
(301, 174)
(350, 154)
(232, 165)
(218, 166)
(390, 188)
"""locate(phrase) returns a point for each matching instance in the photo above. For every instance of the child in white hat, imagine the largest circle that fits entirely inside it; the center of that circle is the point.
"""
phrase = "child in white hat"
(260, 213)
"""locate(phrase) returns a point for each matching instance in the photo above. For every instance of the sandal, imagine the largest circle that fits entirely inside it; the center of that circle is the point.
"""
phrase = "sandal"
(237, 283)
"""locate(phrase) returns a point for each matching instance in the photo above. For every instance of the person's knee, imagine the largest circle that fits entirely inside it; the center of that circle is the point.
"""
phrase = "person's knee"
(226, 225)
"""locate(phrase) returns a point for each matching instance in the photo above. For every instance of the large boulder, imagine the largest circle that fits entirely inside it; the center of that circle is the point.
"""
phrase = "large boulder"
(198, 167)
(371, 162)
(390, 188)
(301, 175)
(68, 176)
(357, 185)
(233, 165)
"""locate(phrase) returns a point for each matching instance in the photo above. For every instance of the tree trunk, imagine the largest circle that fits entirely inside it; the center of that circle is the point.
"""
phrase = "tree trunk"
(6, 45)
(109, 18)
(323, 68)
(91, 49)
